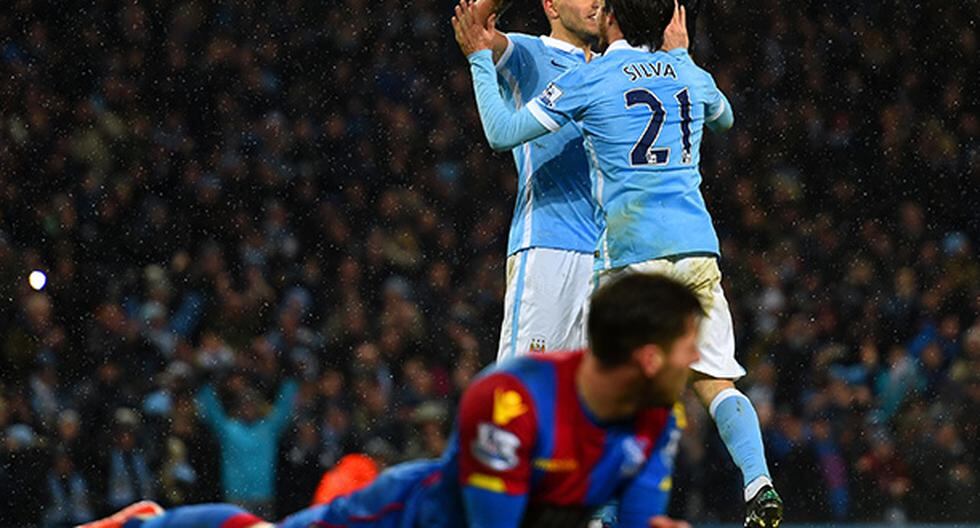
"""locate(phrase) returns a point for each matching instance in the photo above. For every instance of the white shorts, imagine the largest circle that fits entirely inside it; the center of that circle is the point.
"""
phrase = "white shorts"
(544, 306)
(716, 339)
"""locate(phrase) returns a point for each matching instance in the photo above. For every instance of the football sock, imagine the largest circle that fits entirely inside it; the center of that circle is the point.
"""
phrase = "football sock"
(198, 516)
(738, 425)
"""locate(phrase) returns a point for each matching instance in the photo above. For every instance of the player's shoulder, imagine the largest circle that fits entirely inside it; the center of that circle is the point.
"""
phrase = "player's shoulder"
(686, 65)
(580, 76)
(496, 377)
(524, 40)
(503, 376)
(524, 54)
(502, 398)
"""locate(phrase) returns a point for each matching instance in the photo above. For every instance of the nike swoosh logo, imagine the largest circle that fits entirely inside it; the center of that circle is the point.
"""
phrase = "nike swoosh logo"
(558, 64)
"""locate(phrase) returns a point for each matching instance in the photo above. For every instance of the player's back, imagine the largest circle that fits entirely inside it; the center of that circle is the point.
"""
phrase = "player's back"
(554, 207)
(523, 430)
(642, 115)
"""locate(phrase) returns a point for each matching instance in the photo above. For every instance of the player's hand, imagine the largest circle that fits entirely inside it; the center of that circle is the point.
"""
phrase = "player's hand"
(675, 36)
(471, 35)
(662, 521)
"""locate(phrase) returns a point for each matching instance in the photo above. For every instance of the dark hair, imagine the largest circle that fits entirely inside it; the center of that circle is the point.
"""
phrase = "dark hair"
(642, 21)
(637, 310)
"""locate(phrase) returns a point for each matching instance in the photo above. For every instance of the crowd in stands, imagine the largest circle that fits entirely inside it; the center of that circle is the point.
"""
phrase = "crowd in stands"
(273, 234)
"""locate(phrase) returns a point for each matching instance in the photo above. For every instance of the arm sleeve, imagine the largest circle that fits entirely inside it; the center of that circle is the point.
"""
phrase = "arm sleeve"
(503, 127)
(649, 493)
(210, 408)
(722, 117)
(283, 407)
(497, 431)
(565, 99)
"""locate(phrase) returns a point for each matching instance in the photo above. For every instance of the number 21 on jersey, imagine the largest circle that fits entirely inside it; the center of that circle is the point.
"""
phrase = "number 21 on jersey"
(645, 151)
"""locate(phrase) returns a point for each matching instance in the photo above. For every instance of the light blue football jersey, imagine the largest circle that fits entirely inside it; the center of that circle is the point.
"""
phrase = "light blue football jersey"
(554, 207)
(642, 115)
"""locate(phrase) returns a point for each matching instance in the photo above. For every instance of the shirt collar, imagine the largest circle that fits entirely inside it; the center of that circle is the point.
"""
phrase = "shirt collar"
(561, 44)
(621, 44)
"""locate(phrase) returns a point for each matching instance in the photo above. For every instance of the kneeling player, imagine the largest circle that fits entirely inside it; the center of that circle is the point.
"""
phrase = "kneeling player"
(541, 440)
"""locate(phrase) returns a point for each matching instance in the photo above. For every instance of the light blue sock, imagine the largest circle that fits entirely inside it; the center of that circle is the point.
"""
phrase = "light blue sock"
(738, 425)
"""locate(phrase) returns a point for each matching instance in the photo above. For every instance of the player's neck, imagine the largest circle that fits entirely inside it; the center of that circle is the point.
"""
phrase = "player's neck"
(609, 394)
(559, 32)
(613, 34)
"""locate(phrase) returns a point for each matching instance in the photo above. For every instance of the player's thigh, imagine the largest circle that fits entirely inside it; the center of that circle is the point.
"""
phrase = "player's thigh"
(700, 274)
(576, 295)
(547, 309)
(716, 338)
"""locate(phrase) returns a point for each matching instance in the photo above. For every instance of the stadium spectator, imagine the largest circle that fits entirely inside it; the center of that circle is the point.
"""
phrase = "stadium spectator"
(125, 475)
(24, 485)
(298, 468)
(249, 439)
(69, 493)
(190, 467)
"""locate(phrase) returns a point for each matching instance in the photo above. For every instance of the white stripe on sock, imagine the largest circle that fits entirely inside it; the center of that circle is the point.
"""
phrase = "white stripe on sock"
(755, 486)
(722, 396)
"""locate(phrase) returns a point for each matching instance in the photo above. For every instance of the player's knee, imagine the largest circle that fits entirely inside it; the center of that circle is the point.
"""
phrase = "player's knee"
(708, 388)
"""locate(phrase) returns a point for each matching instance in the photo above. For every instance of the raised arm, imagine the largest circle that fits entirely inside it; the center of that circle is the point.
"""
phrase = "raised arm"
(283, 408)
(485, 8)
(718, 111)
(210, 408)
(675, 34)
(503, 127)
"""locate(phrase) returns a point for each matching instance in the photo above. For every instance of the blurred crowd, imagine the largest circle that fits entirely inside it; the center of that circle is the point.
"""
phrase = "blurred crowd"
(273, 234)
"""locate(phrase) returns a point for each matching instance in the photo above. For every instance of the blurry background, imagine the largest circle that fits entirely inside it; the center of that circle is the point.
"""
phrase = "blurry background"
(286, 213)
